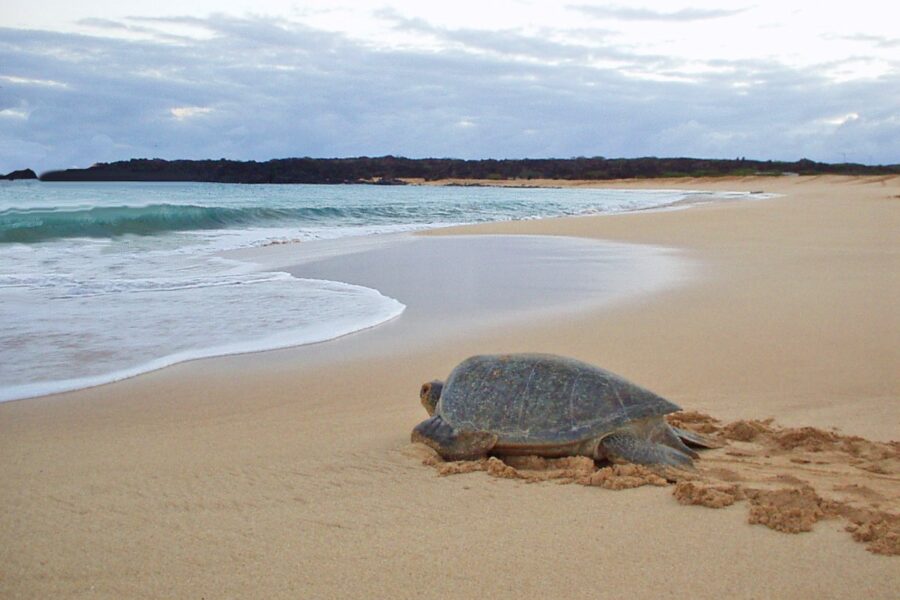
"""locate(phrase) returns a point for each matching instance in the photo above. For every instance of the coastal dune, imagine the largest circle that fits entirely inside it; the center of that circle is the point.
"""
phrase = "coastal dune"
(290, 473)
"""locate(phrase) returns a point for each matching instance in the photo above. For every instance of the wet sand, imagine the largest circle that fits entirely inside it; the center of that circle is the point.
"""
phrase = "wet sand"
(290, 473)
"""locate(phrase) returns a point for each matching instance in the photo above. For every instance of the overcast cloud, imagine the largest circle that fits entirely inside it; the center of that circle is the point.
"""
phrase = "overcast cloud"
(246, 87)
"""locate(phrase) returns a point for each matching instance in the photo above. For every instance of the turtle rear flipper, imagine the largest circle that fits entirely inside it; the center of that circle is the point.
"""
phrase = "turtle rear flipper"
(696, 439)
(668, 435)
(624, 446)
(452, 444)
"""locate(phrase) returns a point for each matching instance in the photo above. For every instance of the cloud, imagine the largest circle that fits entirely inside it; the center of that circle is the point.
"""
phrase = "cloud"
(627, 13)
(13, 113)
(258, 88)
(27, 81)
(127, 30)
(187, 112)
(547, 47)
(878, 41)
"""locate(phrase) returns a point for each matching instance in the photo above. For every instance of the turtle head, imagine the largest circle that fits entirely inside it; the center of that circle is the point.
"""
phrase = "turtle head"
(430, 394)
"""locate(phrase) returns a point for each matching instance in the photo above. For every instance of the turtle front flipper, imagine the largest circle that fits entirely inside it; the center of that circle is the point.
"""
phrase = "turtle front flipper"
(452, 444)
(624, 446)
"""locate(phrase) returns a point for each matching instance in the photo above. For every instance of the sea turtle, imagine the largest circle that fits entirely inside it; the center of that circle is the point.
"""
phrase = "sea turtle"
(551, 406)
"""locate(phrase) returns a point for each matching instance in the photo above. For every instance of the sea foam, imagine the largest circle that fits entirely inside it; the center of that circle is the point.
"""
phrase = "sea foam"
(119, 328)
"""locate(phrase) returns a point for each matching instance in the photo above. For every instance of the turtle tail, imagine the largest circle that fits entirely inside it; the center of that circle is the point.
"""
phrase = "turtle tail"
(623, 446)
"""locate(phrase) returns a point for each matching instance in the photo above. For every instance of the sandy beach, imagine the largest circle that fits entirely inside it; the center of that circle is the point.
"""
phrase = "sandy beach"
(290, 474)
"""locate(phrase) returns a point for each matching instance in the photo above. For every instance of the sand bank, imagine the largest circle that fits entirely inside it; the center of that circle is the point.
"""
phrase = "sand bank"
(289, 473)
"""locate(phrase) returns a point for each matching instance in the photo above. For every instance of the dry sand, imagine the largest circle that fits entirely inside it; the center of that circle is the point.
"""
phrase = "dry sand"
(290, 474)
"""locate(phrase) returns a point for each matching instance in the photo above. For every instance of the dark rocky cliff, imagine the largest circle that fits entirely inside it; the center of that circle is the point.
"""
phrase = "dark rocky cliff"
(20, 174)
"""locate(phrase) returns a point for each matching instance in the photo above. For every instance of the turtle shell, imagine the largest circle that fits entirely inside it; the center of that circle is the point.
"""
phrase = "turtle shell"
(542, 399)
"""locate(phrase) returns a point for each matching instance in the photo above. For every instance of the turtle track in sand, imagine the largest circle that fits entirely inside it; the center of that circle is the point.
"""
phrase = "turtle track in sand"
(790, 478)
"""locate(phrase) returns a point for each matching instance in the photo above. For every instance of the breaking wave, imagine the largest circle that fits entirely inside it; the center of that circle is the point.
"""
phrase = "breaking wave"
(26, 226)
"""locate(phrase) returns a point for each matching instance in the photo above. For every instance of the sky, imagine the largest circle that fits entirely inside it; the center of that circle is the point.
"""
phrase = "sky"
(91, 81)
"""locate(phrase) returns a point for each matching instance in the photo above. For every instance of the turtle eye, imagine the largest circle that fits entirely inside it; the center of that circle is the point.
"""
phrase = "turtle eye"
(426, 387)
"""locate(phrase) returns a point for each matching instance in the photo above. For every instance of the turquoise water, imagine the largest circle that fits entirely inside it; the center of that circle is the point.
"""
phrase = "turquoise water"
(100, 281)
(38, 212)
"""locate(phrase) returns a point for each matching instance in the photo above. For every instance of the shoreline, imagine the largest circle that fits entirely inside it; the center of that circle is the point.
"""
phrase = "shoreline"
(293, 259)
(436, 281)
(279, 473)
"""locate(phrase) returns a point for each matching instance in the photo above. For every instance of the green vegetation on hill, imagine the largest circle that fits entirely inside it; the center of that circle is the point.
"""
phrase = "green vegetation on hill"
(389, 169)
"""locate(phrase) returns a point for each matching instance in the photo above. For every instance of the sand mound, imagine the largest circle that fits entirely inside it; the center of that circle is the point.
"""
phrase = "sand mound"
(623, 477)
(711, 496)
(793, 477)
(745, 431)
(532, 469)
(788, 510)
(790, 478)
(879, 530)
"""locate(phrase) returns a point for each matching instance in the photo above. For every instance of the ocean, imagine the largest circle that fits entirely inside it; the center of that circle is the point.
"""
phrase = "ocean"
(102, 281)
